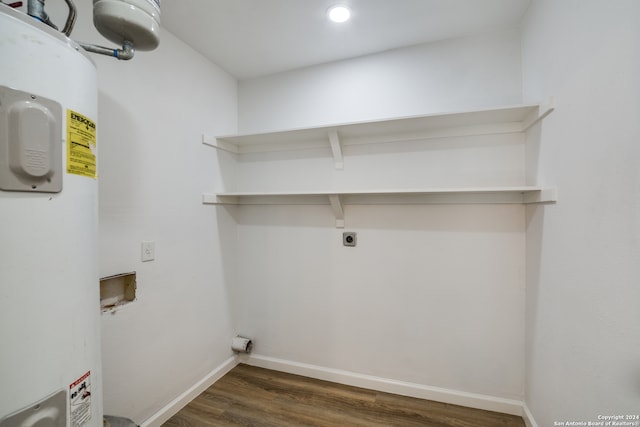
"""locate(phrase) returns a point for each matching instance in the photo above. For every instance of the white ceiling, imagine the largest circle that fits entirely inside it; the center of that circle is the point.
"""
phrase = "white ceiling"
(252, 38)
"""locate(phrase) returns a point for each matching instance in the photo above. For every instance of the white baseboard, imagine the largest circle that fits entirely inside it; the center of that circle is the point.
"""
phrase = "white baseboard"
(181, 401)
(528, 416)
(471, 400)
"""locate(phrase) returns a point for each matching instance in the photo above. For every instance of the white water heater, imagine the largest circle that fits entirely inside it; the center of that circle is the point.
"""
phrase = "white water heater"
(50, 358)
(50, 364)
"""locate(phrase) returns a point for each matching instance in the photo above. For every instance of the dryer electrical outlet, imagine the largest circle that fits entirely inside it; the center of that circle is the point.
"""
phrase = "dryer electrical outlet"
(349, 238)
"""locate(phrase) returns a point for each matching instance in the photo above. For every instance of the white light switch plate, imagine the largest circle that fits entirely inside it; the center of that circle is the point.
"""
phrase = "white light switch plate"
(148, 251)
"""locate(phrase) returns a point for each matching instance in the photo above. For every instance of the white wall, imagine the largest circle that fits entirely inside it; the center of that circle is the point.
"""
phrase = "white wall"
(432, 295)
(153, 169)
(583, 269)
(463, 73)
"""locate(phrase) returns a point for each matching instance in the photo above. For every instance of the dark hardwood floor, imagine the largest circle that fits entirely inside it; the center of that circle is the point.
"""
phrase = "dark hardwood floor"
(250, 396)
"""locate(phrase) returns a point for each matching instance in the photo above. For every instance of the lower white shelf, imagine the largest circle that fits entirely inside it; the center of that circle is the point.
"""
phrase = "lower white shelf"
(337, 199)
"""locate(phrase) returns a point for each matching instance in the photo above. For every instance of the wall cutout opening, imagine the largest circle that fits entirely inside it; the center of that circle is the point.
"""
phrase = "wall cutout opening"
(116, 291)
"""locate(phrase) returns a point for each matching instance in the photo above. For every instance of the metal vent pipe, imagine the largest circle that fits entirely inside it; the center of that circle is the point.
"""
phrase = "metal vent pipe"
(35, 9)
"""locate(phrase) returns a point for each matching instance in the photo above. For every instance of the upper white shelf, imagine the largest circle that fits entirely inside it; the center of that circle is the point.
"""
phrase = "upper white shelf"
(514, 119)
(478, 122)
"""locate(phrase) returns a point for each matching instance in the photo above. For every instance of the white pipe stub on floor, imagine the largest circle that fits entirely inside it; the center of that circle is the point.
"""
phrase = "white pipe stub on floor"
(241, 344)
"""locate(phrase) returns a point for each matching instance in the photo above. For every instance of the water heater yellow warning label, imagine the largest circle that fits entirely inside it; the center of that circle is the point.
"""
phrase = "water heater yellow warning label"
(81, 145)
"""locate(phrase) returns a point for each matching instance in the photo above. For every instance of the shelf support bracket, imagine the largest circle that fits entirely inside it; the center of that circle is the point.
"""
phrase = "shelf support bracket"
(220, 144)
(338, 211)
(336, 148)
(546, 195)
(543, 111)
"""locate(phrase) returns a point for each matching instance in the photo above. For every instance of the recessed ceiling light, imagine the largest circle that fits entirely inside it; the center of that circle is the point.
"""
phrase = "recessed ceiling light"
(339, 13)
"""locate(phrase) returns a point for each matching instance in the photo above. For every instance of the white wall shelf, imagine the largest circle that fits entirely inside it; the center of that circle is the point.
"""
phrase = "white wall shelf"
(514, 119)
(466, 123)
(337, 199)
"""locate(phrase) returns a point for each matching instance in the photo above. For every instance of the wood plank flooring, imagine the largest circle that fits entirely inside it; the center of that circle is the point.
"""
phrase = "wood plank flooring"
(250, 396)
